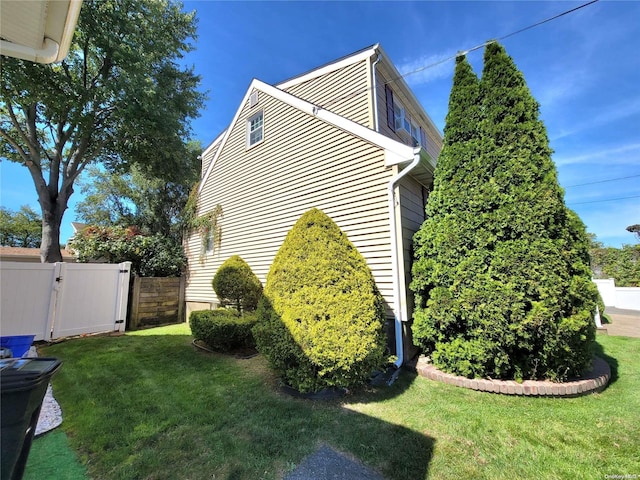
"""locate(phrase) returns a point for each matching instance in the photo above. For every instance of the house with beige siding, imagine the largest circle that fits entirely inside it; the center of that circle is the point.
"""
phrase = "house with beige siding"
(349, 138)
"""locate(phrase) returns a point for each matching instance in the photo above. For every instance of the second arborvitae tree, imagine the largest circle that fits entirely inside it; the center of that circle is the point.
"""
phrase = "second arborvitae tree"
(501, 274)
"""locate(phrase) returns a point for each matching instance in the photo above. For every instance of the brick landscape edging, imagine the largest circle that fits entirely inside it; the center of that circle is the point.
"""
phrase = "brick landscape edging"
(594, 381)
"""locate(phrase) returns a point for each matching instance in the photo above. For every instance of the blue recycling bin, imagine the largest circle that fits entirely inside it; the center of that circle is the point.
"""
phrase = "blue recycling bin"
(18, 344)
(23, 384)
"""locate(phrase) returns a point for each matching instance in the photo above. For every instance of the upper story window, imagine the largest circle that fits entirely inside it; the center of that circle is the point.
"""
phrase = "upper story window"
(255, 126)
(400, 121)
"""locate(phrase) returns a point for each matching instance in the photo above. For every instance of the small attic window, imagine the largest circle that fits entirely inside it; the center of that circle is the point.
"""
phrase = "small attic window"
(254, 129)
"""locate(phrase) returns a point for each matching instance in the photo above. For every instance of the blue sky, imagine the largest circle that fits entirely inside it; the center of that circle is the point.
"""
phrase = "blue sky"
(583, 68)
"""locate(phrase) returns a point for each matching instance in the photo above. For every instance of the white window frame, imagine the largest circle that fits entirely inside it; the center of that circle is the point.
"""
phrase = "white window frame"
(209, 246)
(252, 128)
(415, 128)
(398, 115)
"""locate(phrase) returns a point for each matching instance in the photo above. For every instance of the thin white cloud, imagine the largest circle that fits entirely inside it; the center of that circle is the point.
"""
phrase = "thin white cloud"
(556, 88)
(427, 68)
(624, 154)
(613, 114)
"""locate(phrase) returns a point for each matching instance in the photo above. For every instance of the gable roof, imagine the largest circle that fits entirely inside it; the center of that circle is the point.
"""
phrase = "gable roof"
(32, 254)
(395, 152)
(330, 67)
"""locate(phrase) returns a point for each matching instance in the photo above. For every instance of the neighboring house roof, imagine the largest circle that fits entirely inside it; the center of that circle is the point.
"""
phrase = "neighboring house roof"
(78, 227)
(38, 30)
(19, 254)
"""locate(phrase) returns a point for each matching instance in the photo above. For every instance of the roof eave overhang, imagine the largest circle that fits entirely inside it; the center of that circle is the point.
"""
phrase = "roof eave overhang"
(57, 33)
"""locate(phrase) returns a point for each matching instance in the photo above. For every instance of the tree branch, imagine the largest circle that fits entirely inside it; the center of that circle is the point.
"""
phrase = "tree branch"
(4, 134)
(16, 124)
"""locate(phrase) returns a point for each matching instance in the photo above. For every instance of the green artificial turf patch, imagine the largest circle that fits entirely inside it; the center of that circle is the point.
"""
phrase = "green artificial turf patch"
(51, 457)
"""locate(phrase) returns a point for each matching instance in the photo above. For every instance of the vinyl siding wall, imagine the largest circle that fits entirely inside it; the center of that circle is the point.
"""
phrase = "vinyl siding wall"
(434, 140)
(345, 92)
(206, 159)
(302, 163)
(413, 200)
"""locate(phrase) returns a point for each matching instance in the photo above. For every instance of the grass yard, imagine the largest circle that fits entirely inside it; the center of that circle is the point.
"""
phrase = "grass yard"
(149, 405)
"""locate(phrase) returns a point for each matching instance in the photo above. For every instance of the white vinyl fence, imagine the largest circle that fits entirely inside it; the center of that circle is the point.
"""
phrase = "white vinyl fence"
(53, 300)
(627, 298)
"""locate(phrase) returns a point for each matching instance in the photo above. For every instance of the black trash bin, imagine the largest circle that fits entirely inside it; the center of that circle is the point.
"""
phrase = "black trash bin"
(23, 384)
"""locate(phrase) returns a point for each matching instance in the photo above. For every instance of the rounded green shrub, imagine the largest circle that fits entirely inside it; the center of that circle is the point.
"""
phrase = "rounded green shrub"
(223, 329)
(320, 322)
(236, 285)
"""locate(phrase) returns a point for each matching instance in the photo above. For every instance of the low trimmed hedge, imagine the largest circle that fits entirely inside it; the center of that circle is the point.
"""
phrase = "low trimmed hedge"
(223, 329)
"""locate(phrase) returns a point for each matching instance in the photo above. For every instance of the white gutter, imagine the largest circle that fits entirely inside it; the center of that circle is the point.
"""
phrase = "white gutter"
(375, 94)
(395, 268)
(47, 54)
(59, 27)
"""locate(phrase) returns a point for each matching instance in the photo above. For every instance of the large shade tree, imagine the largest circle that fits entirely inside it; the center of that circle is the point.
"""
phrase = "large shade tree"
(20, 229)
(153, 204)
(120, 98)
(501, 275)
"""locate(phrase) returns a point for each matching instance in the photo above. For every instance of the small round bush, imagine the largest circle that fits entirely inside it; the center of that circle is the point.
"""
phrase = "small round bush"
(236, 285)
(223, 329)
(320, 322)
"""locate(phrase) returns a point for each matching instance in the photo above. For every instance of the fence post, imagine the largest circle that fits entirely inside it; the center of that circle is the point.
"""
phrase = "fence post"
(135, 303)
(181, 295)
(123, 296)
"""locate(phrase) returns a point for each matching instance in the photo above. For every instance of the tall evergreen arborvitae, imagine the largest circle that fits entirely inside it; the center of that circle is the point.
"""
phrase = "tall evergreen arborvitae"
(450, 216)
(501, 260)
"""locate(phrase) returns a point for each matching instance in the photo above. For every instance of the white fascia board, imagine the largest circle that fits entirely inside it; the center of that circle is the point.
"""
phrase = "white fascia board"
(395, 152)
(47, 54)
(345, 62)
(395, 149)
(69, 28)
(225, 134)
(214, 143)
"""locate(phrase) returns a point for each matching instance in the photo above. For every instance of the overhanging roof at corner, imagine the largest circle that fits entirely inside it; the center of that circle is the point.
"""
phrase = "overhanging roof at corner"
(38, 30)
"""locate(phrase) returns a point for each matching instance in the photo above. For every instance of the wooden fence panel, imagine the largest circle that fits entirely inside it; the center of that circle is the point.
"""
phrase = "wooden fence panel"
(156, 301)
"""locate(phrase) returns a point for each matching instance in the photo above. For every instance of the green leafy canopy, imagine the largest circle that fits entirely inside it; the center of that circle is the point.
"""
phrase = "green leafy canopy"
(119, 98)
(20, 229)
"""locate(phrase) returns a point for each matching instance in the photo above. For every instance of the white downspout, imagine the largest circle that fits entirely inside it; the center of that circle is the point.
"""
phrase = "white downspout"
(395, 257)
(375, 94)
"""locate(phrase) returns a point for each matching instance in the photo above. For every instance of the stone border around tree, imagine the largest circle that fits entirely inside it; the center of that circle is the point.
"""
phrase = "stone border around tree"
(595, 381)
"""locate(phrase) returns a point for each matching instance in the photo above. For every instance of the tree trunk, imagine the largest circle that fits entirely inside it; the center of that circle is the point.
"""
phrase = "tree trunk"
(52, 212)
(50, 246)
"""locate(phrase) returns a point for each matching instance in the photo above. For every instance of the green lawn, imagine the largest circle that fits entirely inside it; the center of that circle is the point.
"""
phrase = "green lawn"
(149, 405)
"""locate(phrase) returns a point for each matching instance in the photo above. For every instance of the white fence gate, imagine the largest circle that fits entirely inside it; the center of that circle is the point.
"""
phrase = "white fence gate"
(53, 300)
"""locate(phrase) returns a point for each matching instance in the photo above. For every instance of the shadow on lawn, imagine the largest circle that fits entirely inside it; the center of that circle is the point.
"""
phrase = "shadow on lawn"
(612, 361)
(396, 451)
(154, 406)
